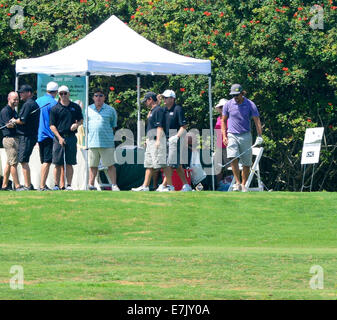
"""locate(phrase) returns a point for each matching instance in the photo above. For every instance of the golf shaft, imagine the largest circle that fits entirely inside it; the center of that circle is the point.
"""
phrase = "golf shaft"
(3, 127)
(64, 165)
(226, 164)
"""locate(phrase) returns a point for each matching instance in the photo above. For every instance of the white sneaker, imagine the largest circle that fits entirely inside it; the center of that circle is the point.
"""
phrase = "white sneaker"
(165, 189)
(243, 188)
(171, 188)
(237, 187)
(69, 188)
(141, 188)
(160, 188)
(186, 187)
(114, 187)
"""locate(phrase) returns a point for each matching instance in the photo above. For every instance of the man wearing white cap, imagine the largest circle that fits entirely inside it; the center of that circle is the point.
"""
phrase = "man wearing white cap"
(45, 135)
(65, 118)
(175, 129)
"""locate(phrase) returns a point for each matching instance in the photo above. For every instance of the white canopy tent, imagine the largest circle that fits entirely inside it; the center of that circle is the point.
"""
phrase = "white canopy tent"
(115, 49)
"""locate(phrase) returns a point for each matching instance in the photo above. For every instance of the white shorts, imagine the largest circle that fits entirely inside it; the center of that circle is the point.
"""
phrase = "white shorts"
(239, 143)
(106, 155)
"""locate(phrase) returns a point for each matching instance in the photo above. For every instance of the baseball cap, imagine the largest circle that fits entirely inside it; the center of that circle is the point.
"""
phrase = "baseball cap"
(149, 95)
(63, 89)
(221, 103)
(25, 88)
(169, 94)
(236, 89)
(52, 86)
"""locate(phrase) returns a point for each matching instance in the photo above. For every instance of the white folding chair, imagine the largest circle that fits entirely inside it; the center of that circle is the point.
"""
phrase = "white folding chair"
(254, 170)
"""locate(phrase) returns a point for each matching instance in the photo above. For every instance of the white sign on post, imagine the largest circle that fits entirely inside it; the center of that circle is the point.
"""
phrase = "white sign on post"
(312, 145)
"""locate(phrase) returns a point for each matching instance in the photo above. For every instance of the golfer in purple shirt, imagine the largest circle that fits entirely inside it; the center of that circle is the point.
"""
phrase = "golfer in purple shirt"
(237, 137)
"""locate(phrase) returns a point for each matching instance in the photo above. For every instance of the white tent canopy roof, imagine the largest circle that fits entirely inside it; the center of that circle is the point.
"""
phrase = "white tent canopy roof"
(113, 49)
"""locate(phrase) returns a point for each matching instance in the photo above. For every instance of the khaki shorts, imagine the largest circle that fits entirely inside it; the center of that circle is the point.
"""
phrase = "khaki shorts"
(106, 155)
(239, 143)
(11, 146)
(155, 158)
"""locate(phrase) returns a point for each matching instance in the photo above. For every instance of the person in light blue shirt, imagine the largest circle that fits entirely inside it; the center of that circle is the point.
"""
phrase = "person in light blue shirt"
(45, 135)
(102, 119)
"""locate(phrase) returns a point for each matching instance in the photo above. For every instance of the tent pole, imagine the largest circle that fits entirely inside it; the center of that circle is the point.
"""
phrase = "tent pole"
(211, 124)
(16, 87)
(86, 130)
(138, 112)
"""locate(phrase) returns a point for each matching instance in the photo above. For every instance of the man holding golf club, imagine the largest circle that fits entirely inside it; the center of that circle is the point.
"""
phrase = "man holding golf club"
(10, 141)
(65, 118)
(27, 126)
(237, 136)
(45, 135)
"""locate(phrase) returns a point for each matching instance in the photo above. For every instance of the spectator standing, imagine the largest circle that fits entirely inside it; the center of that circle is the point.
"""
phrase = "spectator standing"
(10, 141)
(45, 135)
(102, 119)
(155, 153)
(175, 129)
(65, 117)
(220, 155)
(27, 126)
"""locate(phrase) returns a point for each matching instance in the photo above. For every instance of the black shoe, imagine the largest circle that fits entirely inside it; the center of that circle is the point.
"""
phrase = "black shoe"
(45, 188)
(24, 188)
(6, 189)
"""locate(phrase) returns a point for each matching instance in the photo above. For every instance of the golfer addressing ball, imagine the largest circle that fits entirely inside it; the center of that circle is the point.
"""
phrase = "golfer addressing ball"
(237, 137)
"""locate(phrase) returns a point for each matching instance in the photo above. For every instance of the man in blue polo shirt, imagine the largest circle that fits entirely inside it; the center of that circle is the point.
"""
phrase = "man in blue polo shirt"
(45, 135)
(102, 119)
(237, 136)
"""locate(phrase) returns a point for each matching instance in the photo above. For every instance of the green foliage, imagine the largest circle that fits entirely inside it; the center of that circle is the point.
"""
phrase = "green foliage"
(275, 49)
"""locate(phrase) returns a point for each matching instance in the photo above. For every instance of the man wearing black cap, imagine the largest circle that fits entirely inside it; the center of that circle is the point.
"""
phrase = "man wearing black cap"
(27, 126)
(237, 136)
(155, 153)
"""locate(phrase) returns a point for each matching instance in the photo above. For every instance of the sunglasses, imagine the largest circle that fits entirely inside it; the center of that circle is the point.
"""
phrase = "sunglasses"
(99, 95)
(63, 93)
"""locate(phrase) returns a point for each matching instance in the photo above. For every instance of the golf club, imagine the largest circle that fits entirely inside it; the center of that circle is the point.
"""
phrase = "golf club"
(226, 164)
(65, 165)
(3, 127)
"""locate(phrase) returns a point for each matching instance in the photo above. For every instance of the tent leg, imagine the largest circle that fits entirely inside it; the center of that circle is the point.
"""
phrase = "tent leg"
(16, 87)
(211, 125)
(138, 112)
(86, 131)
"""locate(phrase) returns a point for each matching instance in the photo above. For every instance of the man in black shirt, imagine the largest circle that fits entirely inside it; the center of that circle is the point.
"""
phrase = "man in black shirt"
(10, 141)
(155, 153)
(175, 129)
(65, 118)
(27, 126)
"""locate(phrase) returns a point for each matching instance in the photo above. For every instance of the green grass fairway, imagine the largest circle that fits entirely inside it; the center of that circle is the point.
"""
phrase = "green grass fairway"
(197, 245)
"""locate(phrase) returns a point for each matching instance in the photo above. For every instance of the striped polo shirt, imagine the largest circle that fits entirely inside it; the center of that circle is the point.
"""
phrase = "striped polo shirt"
(100, 126)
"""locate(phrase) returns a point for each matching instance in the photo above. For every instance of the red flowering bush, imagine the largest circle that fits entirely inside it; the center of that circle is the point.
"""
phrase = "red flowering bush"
(286, 63)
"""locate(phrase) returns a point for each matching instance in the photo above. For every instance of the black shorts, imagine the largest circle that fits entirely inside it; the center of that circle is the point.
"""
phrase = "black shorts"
(26, 145)
(46, 150)
(70, 151)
